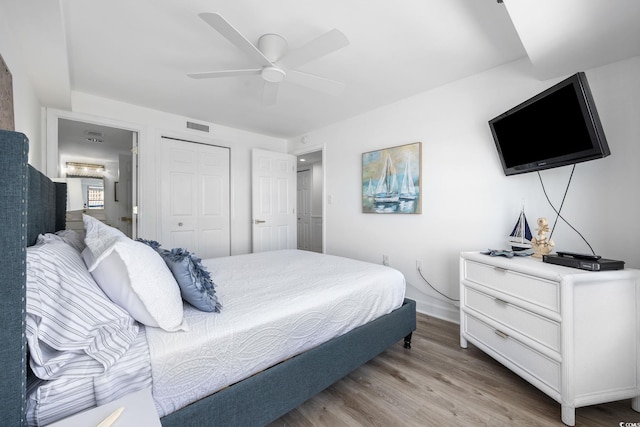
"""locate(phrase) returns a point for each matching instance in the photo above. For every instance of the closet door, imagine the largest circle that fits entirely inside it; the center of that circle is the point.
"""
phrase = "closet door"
(194, 194)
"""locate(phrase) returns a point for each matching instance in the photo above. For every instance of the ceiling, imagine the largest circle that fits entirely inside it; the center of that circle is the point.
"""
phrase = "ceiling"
(141, 51)
(87, 142)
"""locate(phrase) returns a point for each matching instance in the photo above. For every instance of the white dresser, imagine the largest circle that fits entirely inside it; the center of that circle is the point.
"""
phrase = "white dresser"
(573, 334)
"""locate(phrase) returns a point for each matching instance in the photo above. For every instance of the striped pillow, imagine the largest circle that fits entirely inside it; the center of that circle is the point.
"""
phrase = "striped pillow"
(73, 329)
(70, 237)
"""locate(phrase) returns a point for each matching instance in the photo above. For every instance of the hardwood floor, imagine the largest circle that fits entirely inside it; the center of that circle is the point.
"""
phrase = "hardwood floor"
(437, 383)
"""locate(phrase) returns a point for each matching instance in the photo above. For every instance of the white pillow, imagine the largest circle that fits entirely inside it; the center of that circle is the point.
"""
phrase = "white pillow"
(135, 277)
(99, 238)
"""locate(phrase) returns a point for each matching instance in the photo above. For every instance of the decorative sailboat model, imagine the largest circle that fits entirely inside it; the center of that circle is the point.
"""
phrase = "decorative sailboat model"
(520, 237)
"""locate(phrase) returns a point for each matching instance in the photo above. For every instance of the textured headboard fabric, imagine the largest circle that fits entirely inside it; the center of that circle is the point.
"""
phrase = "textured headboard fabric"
(30, 204)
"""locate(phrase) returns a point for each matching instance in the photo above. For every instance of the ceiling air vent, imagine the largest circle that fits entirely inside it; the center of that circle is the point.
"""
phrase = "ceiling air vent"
(197, 126)
(93, 136)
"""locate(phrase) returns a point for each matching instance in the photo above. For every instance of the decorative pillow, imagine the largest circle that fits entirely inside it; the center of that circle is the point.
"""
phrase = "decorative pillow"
(70, 237)
(196, 286)
(152, 243)
(73, 329)
(194, 280)
(134, 276)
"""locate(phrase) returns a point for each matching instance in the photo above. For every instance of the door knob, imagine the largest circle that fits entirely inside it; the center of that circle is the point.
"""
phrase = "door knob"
(179, 224)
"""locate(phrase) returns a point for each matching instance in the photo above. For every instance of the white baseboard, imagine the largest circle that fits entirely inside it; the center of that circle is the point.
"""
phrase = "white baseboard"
(439, 309)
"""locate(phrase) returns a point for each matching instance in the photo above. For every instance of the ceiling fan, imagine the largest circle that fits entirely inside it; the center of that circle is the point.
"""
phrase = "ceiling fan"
(273, 62)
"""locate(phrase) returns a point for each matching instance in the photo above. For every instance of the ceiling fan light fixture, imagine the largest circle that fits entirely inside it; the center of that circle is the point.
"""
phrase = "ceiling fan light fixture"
(273, 74)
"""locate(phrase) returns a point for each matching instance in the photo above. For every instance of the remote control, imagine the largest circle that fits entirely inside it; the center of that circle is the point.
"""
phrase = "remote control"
(579, 256)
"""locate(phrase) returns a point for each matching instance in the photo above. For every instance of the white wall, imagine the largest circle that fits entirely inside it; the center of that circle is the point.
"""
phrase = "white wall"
(155, 124)
(468, 203)
(26, 106)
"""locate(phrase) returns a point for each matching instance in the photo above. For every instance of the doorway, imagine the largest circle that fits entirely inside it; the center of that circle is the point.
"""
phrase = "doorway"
(310, 201)
(273, 200)
(80, 139)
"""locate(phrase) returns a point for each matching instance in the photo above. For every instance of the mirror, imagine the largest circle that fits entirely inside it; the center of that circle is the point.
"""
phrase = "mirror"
(85, 193)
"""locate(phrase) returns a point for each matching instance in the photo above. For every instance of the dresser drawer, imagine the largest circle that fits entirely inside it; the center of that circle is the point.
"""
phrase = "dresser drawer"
(545, 370)
(531, 325)
(534, 290)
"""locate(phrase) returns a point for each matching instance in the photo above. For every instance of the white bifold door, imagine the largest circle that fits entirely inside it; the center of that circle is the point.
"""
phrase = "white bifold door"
(194, 193)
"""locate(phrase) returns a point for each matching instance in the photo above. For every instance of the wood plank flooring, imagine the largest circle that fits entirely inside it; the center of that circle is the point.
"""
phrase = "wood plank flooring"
(437, 383)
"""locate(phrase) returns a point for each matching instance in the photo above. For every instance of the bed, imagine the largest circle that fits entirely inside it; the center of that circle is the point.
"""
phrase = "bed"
(31, 205)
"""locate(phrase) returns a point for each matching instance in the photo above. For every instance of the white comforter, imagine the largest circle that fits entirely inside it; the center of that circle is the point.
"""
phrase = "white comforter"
(275, 305)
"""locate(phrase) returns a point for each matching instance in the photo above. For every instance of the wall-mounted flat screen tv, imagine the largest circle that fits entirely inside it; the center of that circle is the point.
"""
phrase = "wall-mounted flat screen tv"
(557, 127)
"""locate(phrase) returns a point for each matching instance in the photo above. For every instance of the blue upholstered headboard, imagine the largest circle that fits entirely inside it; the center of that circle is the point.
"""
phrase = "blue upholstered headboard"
(30, 204)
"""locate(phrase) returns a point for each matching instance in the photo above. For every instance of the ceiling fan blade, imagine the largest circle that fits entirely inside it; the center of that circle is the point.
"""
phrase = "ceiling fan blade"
(269, 93)
(316, 48)
(314, 82)
(225, 73)
(235, 37)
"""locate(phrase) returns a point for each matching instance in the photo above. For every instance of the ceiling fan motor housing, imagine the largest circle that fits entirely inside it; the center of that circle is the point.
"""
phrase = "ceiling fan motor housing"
(272, 46)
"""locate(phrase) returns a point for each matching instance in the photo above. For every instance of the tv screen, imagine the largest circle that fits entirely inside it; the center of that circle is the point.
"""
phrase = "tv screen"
(557, 127)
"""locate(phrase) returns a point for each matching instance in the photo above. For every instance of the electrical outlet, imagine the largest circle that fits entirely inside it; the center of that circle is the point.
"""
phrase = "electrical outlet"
(385, 259)
(418, 264)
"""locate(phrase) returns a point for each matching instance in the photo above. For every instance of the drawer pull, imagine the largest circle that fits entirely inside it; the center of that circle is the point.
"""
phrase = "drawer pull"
(500, 269)
(501, 334)
(500, 301)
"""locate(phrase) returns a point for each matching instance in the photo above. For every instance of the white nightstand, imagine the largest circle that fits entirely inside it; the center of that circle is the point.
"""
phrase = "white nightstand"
(139, 410)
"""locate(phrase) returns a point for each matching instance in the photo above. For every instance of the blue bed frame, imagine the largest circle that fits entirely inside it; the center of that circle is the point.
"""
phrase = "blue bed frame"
(30, 204)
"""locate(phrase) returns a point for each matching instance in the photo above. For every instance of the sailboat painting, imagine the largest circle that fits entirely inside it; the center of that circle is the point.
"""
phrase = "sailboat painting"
(391, 180)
